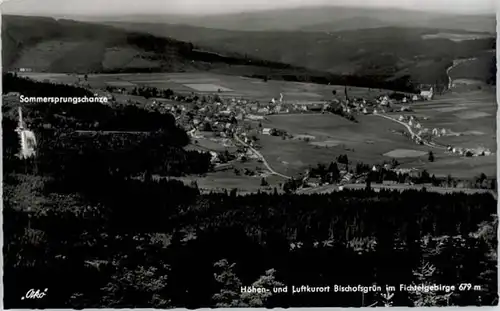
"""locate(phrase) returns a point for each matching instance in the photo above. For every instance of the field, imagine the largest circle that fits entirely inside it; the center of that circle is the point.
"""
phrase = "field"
(209, 83)
(456, 37)
(405, 153)
(471, 119)
(482, 68)
(366, 141)
(471, 114)
(219, 181)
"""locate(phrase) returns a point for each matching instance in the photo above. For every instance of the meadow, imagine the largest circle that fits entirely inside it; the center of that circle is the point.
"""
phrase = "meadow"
(471, 118)
(209, 83)
(366, 141)
(372, 141)
(471, 114)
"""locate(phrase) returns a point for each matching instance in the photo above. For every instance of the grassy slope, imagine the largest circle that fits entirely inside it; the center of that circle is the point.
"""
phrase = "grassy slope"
(388, 51)
(482, 68)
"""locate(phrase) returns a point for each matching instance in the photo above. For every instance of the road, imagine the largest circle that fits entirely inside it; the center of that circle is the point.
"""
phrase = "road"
(455, 64)
(413, 134)
(256, 152)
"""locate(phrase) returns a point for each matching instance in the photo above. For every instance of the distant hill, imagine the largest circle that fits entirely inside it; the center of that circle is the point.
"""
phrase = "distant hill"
(381, 51)
(49, 45)
(327, 18)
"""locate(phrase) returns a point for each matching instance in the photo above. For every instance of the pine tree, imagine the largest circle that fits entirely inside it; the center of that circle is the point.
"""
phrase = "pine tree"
(424, 276)
(268, 281)
(431, 156)
(229, 295)
(263, 182)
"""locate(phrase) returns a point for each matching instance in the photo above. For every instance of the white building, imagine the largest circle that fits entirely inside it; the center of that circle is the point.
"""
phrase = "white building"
(428, 94)
(266, 131)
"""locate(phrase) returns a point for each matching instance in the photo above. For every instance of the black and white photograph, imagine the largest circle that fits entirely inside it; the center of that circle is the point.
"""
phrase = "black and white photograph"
(189, 154)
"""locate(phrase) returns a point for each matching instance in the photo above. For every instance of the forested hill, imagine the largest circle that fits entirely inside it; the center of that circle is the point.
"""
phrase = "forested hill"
(46, 44)
(387, 53)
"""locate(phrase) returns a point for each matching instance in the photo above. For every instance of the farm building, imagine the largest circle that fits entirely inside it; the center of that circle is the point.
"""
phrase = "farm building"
(427, 94)
(315, 107)
(266, 131)
(263, 110)
(223, 167)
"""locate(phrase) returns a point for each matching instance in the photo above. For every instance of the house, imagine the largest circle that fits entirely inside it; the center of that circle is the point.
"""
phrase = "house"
(254, 117)
(214, 157)
(315, 107)
(313, 181)
(427, 94)
(223, 167)
(389, 182)
(266, 131)
(263, 110)
(347, 177)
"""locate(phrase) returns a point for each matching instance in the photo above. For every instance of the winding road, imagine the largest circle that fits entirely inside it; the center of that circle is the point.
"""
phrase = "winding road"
(413, 134)
(455, 64)
(261, 157)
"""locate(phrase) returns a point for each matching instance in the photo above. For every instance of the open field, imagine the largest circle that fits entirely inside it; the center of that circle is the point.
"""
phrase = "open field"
(205, 87)
(218, 181)
(326, 143)
(456, 37)
(371, 141)
(474, 71)
(206, 144)
(405, 153)
(472, 115)
(232, 86)
(366, 141)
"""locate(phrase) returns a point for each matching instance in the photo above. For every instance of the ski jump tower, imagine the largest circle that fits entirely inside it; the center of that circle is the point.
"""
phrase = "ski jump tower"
(26, 137)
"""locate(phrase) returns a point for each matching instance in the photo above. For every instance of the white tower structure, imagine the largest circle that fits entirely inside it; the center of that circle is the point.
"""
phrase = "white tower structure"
(26, 137)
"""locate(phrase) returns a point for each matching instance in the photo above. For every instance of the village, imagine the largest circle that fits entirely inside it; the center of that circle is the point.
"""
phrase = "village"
(234, 125)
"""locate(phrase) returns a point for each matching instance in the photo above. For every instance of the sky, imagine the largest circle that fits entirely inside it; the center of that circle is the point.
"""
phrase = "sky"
(203, 7)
